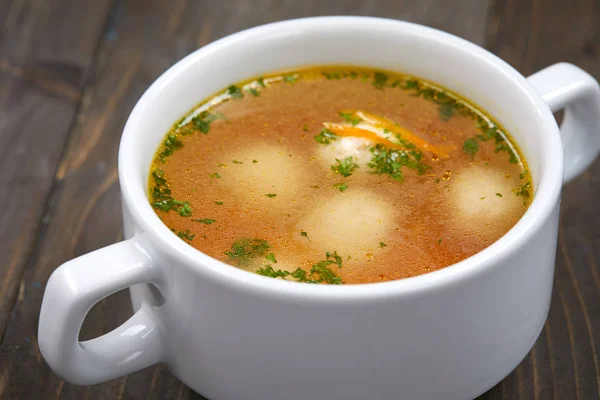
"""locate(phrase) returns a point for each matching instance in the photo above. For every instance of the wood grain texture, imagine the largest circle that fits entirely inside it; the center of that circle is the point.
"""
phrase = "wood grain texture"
(140, 40)
(42, 66)
(530, 35)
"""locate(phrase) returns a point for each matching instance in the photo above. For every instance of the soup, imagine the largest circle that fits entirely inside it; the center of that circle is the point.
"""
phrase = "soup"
(339, 175)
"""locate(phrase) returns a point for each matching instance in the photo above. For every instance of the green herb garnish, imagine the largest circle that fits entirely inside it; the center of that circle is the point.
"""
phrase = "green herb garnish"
(349, 117)
(268, 271)
(446, 111)
(325, 136)
(215, 175)
(344, 167)
(523, 174)
(237, 162)
(161, 196)
(341, 186)
(184, 208)
(305, 234)
(271, 195)
(219, 203)
(523, 190)
(290, 78)
(205, 221)
(271, 257)
(319, 273)
(244, 250)
(471, 147)
(332, 75)
(261, 81)
(203, 120)
(254, 92)
(380, 80)
(186, 235)
(170, 144)
(235, 92)
(390, 161)
(499, 194)
(490, 131)
(382, 245)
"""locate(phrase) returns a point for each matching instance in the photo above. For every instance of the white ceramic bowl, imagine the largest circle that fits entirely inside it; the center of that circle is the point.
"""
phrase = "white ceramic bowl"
(229, 334)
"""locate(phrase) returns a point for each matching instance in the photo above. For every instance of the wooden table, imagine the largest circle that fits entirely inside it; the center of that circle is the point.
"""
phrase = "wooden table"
(70, 73)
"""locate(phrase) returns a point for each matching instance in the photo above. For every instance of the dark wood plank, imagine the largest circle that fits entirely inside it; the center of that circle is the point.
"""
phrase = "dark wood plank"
(564, 364)
(83, 210)
(45, 52)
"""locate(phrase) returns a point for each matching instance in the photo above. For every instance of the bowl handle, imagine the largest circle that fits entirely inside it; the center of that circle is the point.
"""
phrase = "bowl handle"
(566, 86)
(72, 291)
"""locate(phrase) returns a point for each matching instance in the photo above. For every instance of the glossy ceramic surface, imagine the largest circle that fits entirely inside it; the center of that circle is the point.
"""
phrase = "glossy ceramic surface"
(229, 334)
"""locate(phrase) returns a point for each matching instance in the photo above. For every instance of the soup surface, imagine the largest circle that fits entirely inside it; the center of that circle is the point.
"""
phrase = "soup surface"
(338, 175)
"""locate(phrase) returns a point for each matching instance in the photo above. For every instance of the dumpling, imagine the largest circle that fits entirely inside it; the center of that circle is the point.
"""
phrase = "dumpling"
(483, 201)
(266, 172)
(356, 147)
(352, 223)
(484, 192)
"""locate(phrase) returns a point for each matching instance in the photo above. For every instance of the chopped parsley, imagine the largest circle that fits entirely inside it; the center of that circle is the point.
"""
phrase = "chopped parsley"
(186, 235)
(219, 203)
(523, 174)
(268, 271)
(352, 119)
(290, 78)
(271, 257)
(341, 186)
(523, 191)
(490, 131)
(205, 221)
(390, 161)
(271, 195)
(254, 161)
(254, 92)
(440, 240)
(326, 136)
(162, 199)
(261, 81)
(319, 273)
(203, 120)
(344, 167)
(237, 162)
(499, 194)
(332, 75)
(411, 84)
(471, 147)
(382, 245)
(244, 250)
(380, 80)
(215, 175)
(305, 234)
(170, 144)
(446, 111)
(235, 92)
(183, 209)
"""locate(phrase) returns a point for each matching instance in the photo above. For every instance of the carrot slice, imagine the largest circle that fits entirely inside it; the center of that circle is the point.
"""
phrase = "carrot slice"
(354, 131)
(384, 123)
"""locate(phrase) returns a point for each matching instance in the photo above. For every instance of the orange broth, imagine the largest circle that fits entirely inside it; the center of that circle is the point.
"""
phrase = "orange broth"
(339, 175)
